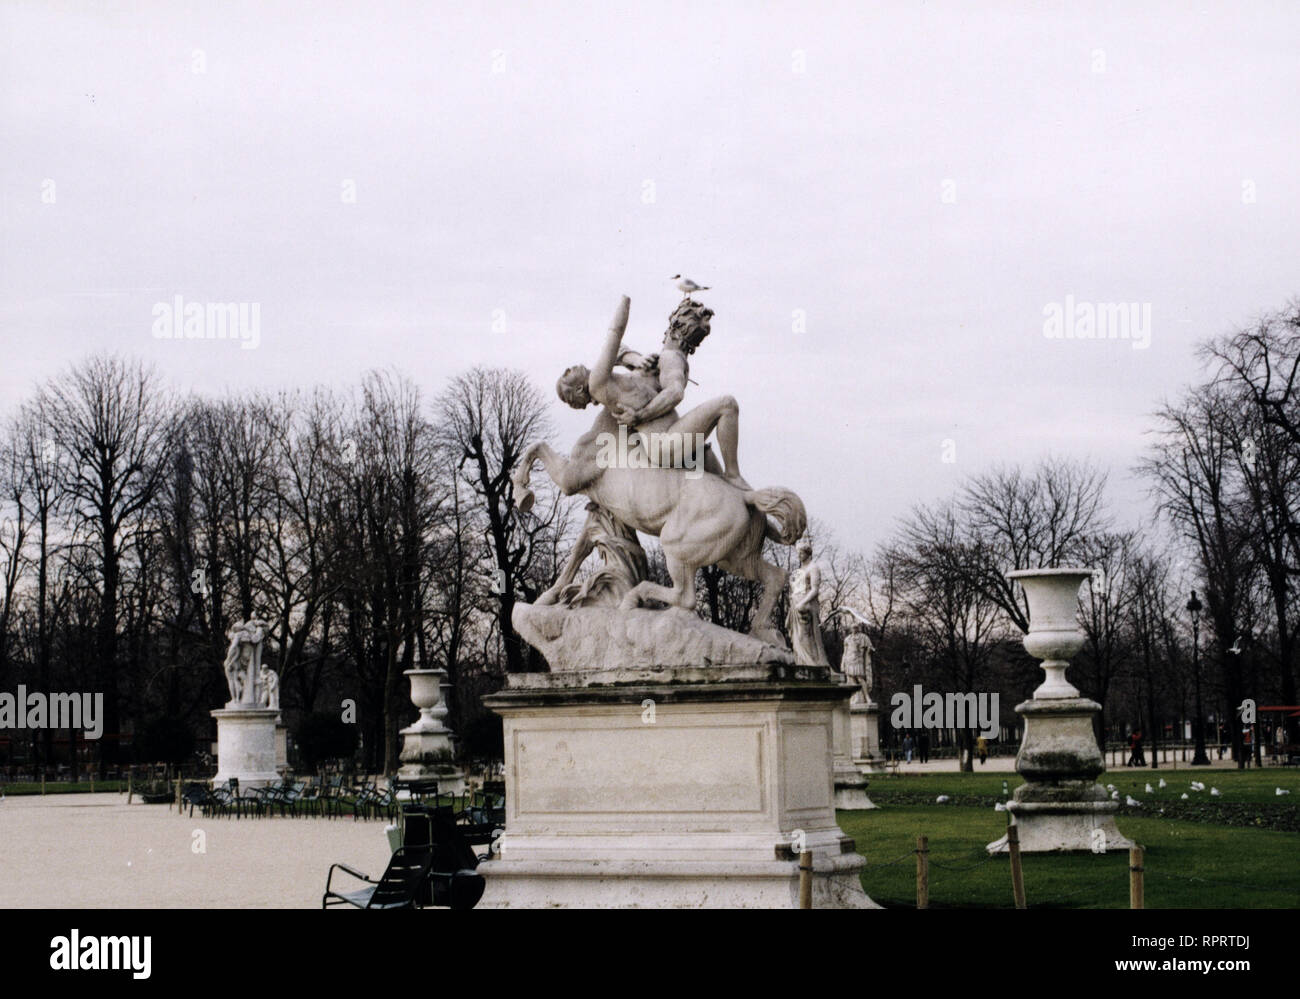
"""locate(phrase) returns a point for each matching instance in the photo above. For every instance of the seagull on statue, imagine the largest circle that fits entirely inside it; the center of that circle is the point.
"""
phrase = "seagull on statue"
(686, 286)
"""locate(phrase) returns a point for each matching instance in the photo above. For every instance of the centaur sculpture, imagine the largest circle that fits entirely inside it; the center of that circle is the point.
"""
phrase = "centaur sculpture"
(702, 513)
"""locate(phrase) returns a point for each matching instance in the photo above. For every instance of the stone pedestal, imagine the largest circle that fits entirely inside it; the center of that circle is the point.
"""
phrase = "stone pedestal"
(850, 784)
(281, 748)
(428, 752)
(246, 745)
(659, 787)
(864, 737)
(1061, 807)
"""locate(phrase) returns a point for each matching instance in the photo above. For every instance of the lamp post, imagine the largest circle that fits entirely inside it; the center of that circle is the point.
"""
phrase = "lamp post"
(1194, 608)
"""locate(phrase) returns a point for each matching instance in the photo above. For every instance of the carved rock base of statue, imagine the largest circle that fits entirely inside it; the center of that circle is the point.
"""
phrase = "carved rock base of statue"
(864, 737)
(850, 785)
(670, 788)
(590, 638)
(1061, 807)
(428, 752)
(246, 745)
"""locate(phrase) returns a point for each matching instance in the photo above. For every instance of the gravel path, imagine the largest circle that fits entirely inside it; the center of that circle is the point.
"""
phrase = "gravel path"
(96, 851)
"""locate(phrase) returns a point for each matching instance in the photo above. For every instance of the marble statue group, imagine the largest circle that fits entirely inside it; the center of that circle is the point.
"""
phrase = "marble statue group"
(251, 683)
(715, 518)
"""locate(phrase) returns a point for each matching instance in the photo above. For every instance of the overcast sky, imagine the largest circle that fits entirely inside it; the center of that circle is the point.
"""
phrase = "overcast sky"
(918, 182)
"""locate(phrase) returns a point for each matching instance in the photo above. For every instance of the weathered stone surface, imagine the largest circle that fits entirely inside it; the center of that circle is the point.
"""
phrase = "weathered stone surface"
(579, 639)
(680, 794)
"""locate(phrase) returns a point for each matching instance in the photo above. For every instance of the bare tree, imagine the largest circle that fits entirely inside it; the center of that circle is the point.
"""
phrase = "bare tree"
(485, 419)
(112, 426)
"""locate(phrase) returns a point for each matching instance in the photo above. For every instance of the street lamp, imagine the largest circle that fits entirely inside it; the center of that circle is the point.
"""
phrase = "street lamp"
(1194, 608)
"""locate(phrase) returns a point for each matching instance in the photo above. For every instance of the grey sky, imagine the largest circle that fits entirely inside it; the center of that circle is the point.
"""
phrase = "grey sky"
(799, 154)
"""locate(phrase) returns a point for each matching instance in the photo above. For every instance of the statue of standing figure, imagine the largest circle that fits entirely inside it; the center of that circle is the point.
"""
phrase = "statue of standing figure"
(243, 663)
(855, 664)
(270, 688)
(804, 618)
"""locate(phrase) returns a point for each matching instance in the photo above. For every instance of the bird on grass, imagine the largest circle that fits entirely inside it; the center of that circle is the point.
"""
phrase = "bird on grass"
(1278, 792)
(1214, 792)
(1150, 789)
(1131, 801)
(686, 286)
(1162, 782)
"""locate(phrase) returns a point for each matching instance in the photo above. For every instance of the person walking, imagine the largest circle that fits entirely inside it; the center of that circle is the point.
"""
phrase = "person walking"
(982, 749)
(907, 747)
(1134, 747)
(923, 744)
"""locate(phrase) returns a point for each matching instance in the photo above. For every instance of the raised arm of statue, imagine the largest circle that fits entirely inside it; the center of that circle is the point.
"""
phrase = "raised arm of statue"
(609, 353)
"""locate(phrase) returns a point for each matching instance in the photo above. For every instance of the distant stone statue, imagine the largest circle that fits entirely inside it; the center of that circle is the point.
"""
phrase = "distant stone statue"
(270, 688)
(856, 661)
(804, 618)
(243, 663)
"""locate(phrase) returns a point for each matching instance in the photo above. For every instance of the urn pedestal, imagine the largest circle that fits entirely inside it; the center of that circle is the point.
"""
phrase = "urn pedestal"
(1060, 807)
(850, 784)
(864, 736)
(246, 745)
(428, 752)
(671, 787)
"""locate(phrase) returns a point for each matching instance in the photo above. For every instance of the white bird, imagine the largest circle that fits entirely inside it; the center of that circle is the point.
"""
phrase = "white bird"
(686, 286)
(1162, 782)
(1150, 789)
(999, 807)
(1185, 796)
(1214, 792)
(1131, 801)
(1197, 786)
(1281, 791)
(1236, 647)
(941, 799)
(1110, 787)
(1114, 796)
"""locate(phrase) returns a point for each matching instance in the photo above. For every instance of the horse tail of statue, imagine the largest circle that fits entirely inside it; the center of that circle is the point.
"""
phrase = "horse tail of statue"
(783, 507)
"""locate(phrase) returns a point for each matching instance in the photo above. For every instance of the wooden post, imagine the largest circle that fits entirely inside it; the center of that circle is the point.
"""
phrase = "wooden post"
(1017, 874)
(805, 880)
(178, 796)
(923, 872)
(130, 785)
(1135, 870)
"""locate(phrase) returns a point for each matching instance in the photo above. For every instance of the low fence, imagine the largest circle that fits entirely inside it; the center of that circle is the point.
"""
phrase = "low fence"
(1138, 872)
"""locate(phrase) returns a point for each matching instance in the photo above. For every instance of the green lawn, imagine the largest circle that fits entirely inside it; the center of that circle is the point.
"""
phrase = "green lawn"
(64, 787)
(1205, 859)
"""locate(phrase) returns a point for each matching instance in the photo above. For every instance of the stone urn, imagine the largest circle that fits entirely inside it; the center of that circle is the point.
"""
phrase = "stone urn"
(1054, 635)
(428, 752)
(426, 694)
(1059, 807)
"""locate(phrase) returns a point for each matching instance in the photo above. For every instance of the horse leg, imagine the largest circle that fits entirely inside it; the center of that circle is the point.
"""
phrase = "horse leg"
(680, 594)
(772, 578)
(569, 474)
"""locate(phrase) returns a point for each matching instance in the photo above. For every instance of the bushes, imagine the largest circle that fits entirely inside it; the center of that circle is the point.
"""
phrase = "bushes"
(323, 736)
